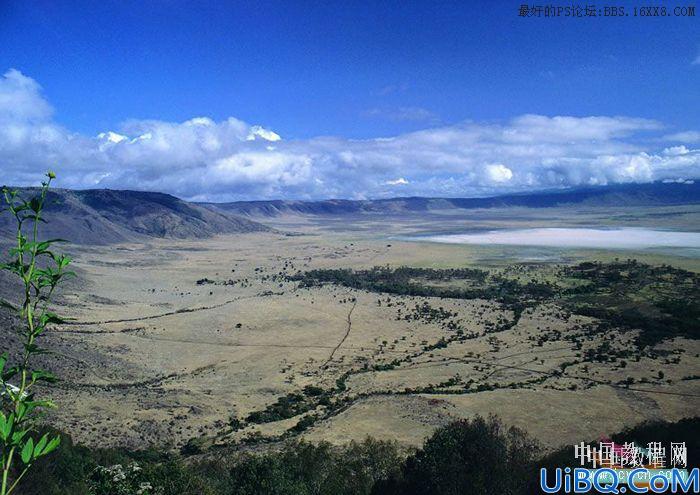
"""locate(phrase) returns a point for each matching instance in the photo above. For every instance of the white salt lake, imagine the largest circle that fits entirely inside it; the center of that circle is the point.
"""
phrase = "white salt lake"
(620, 238)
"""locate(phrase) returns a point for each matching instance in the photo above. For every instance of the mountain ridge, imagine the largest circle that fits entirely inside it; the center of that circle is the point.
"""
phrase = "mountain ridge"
(106, 216)
(651, 194)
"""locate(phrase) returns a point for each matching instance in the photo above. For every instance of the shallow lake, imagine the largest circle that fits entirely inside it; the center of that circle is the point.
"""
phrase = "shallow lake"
(621, 238)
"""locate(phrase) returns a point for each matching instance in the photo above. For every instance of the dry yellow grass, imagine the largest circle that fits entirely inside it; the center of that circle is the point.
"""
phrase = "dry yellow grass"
(158, 359)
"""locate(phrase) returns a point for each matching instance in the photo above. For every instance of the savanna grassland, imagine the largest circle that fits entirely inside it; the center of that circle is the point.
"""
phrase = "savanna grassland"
(340, 332)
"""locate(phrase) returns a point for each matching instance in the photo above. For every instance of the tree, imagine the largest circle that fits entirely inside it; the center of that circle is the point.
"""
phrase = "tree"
(477, 457)
(39, 270)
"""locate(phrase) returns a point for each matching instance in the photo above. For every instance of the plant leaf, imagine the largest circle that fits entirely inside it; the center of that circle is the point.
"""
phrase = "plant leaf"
(35, 205)
(46, 376)
(12, 371)
(7, 427)
(50, 317)
(18, 436)
(51, 446)
(28, 451)
(39, 447)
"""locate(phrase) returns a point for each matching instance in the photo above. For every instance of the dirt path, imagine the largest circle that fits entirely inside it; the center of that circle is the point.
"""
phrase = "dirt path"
(342, 341)
(160, 315)
(349, 317)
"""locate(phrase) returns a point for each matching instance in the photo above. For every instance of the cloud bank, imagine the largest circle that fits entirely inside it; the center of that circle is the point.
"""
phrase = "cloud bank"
(201, 159)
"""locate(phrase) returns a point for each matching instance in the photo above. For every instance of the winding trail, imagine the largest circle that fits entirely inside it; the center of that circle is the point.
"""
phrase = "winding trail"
(160, 315)
(349, 320)
(342, 341)
(155, 381)
(101, 332)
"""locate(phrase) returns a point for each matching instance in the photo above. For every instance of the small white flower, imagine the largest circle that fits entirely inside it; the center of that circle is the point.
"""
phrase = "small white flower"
(143, 488)
(8, 387)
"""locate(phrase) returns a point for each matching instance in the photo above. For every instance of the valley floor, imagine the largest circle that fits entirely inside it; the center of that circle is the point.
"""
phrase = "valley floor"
(210, 340)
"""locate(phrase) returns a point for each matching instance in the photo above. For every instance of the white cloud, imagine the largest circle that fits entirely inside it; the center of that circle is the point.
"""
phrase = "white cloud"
(259, 132)
(111, 137)
(676, 150)
(21, 100)
(498, 173)
(680, 180)
(397, 182)
(200, 121)
(207, 160)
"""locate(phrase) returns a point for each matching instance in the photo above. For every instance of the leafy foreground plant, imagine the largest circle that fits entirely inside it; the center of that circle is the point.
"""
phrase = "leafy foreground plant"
(39, 271)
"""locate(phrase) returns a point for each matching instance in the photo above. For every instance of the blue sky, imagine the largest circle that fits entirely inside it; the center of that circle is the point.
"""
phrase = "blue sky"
(466, 74)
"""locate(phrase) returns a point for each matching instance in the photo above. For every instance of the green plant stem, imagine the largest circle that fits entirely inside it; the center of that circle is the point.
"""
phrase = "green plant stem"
(27, 290)
(6, 471)
(28, 314)
(19, 478)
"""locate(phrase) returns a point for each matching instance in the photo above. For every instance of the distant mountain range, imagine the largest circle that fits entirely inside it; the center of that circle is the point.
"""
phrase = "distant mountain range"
(653, 194)
(104, 216)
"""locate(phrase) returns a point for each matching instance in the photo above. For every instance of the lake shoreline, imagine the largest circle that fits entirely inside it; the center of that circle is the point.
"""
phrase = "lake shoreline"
(561, 237)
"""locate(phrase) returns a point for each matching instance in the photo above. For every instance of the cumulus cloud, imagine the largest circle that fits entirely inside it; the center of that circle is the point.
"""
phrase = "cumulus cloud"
(498, 173)
(202, 159)
(111, 137)
(21, 100)
(259, 132)
(397, 182)
(676, 150)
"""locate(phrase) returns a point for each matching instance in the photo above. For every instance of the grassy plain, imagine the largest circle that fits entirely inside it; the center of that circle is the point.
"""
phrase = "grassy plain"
(210, 340)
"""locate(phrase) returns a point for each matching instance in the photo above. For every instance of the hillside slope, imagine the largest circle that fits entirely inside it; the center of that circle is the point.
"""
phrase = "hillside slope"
(102, 216)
